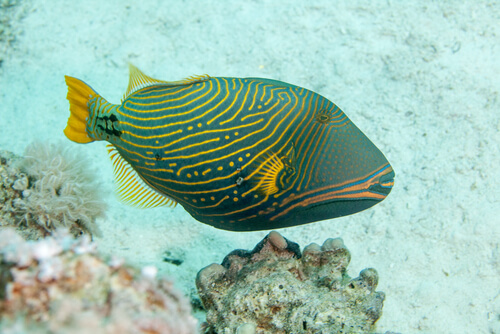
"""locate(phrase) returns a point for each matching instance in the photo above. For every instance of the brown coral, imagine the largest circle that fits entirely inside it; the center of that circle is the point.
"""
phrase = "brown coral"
(60, 285)
(276, 289)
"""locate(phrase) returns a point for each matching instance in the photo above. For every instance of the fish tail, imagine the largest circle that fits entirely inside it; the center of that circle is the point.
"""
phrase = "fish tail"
(79, 94)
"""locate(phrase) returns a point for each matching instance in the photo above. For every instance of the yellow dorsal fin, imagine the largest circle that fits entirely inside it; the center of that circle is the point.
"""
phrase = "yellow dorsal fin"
(139, 80)
(191, 80)
(131, 189)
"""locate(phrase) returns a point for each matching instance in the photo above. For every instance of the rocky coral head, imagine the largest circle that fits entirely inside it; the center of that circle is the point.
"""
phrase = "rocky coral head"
(273, 246)
(276, 289)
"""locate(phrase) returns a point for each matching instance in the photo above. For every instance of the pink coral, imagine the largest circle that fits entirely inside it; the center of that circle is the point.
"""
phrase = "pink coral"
(61, 285)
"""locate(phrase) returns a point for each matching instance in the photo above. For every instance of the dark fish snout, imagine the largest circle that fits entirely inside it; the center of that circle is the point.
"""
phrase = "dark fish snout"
(385, 182)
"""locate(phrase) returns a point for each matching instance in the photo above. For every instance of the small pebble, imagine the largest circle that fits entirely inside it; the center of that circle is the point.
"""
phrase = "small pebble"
(149, 272)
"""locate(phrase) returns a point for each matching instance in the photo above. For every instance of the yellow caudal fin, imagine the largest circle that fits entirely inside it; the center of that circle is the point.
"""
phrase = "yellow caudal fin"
(79, 94)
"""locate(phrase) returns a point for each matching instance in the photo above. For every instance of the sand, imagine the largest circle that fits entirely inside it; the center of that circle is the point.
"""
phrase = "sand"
(419, 78)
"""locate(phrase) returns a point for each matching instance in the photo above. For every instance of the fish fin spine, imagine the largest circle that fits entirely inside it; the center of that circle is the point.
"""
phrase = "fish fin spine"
(79, 94)
(274, 171)
(131, 188)
(138, 80)
(268, 169)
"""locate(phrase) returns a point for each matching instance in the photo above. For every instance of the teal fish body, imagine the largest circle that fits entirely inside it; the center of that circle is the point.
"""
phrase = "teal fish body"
(239, 154)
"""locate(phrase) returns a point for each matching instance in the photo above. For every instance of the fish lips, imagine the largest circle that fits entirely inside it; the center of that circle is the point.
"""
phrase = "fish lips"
(385, 183)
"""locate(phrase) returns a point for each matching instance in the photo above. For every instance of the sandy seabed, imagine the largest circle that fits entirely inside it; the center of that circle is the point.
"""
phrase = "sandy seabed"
(418, 77)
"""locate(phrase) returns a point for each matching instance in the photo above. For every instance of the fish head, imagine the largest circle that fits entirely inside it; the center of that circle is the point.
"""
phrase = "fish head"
(315, 179)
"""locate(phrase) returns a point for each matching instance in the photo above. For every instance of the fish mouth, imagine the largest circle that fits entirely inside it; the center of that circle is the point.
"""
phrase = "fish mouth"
(385, 182)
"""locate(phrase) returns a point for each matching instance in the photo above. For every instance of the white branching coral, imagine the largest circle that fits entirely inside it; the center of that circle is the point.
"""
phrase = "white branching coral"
(64, 189)
(50, 187)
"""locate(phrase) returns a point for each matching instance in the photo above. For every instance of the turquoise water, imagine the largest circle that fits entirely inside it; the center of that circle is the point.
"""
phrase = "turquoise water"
(421, 79)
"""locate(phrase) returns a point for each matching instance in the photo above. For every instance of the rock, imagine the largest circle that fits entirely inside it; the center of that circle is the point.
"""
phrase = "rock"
(276, 289)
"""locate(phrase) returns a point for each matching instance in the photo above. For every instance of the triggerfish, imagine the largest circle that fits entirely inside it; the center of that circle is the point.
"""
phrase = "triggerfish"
(240, 154)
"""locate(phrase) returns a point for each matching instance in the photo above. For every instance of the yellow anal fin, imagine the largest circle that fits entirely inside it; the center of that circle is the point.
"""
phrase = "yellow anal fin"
(79, 94)
(138, 80)
(131, 189)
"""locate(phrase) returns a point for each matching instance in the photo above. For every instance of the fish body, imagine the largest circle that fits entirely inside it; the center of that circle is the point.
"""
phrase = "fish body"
(239, 154)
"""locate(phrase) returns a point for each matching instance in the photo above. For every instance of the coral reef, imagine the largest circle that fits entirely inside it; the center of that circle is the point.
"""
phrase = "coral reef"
(60, 285)
(276, 289)
(50, 187)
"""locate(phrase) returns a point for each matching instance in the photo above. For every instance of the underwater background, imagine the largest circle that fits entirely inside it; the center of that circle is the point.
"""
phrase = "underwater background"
(419, 78)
